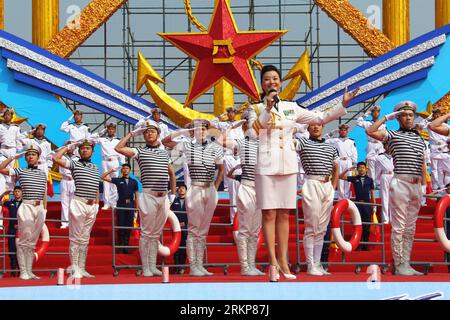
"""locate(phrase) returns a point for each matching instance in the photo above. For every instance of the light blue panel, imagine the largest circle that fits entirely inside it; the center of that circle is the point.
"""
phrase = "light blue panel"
(434, 87)
(37, 105)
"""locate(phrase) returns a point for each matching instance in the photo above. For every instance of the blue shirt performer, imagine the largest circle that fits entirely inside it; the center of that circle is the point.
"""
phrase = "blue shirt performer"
(127, 189)
(179, 208)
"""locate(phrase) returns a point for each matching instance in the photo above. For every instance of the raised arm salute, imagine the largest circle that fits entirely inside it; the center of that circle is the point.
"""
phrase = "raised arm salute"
(408, 151)
(84, 206)
(156, 169)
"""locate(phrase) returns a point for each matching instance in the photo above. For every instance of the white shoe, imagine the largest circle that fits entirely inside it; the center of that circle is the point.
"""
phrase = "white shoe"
(411, 269)
(321, 269)
(64, 226)
(403, 270)
(314, 271)
(106, 207)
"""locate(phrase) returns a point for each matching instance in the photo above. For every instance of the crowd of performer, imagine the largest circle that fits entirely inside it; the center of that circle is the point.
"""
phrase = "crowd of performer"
(276, 151)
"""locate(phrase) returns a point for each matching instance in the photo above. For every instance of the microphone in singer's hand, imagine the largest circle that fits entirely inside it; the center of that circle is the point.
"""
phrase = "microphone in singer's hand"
(275, 98)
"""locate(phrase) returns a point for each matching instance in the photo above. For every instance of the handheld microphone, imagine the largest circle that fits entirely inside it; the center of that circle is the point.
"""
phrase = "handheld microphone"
(275, 98)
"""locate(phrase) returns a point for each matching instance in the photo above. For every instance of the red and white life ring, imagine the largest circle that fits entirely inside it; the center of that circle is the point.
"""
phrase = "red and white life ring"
(166, 251)
(43, 246)
(341, 207)
(439, 215)
(236, 231)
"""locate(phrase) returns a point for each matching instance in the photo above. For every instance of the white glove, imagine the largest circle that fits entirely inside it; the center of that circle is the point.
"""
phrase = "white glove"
(171, 198)
(103, 132)
(393, 115)
(238, 123)
(71, 117)
(138, 131)
(117, 168)
(74, 145)
(367, 113)
(18, 155)
(424, 189)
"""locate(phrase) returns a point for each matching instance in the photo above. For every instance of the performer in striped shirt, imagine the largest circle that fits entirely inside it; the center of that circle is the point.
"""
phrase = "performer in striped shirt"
(408, 184)
(320, 161)
(67, 187)
(31, 214)
(248, 214)
(203, 158)
(84, 206)
(156, 169)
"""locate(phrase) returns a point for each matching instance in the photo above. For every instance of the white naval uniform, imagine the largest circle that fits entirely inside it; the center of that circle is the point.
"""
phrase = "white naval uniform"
(385, 169)
(110, 160)
(373, 148)
(230, 161)
(446, 167)
(348, 156)
(9, 144)
(277, 166)
(438, 144)
(76, 131)
(67, 187)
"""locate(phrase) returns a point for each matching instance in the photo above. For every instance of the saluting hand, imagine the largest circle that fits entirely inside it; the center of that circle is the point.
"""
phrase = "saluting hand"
(348, 96)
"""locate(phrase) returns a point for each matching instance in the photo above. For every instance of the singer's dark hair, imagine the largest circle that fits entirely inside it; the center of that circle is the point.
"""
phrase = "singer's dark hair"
(266, 69)
(361, 163)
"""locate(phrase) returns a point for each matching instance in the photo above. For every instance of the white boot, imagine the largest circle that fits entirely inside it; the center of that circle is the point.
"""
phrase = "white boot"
(29, 259)
(252, 247)
(152, 256)
(191, 251)
(403, 270)
(309, 254)
(200, 251)
(241, 246)
(408, 241)
(74, 254)
(144, 246)
(317, 255)
(82, 262)
(21, 259)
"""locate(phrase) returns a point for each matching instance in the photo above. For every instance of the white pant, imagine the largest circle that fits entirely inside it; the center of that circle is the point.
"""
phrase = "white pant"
(2, 189)
(446, 177)
(249, 217)
(300, 175)
(317, 204)
(200, 205)
(187, 177)
(229, 163)
(153, 212)
(404, 204)
(344, 186)
(384, 186)
(110, 195)
(372, 171)
(437, 177)
(10, 152)
(81, 220)
(67, 193)
(30, 220)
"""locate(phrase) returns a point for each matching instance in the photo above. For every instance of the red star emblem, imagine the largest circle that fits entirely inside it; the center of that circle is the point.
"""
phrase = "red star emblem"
(222, 53)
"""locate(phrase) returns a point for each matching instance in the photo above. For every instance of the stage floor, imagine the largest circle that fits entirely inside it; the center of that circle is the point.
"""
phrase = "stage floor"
(341, 286)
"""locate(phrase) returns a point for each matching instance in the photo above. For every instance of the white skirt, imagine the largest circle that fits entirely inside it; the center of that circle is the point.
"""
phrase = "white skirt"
(276, 191)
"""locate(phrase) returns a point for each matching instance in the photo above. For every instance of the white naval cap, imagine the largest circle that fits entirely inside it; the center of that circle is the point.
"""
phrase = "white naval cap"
(150, 124)
(405, 105)
(32, 147)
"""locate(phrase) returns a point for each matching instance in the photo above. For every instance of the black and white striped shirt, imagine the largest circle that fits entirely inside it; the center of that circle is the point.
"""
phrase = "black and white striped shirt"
(32, 181)
(317, 156)
(154, 167)
(86, 177)
(202, 159)
(408, 151)
(248, 154)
